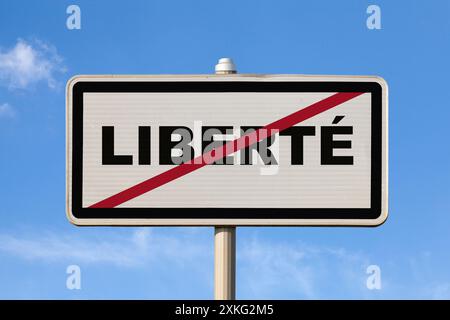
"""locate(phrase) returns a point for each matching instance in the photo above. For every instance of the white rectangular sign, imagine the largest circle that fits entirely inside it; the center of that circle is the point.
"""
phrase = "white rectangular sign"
(226, 150)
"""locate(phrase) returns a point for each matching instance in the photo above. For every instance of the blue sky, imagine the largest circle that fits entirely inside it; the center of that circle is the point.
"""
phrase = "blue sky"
(38, 54)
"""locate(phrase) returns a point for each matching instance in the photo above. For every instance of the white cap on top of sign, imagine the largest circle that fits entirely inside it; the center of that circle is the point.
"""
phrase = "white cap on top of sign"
(225, 66)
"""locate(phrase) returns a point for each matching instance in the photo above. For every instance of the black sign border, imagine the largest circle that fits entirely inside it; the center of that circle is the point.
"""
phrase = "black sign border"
(81, 87)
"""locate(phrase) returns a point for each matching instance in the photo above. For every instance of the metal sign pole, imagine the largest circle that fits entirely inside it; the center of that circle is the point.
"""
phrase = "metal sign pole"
(224, 263)
(225, 237)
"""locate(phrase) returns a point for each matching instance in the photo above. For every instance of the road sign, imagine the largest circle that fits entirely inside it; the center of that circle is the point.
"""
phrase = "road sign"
(227, 150)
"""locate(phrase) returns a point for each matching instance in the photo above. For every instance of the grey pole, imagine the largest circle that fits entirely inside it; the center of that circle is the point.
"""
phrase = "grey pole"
(225, 236)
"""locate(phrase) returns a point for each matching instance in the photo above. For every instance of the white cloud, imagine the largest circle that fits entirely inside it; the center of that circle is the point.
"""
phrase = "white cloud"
(299, 270)
(440, 291)
(137, 249)
(265, 269)
(6, 111)
(271, 266)
(28, 63)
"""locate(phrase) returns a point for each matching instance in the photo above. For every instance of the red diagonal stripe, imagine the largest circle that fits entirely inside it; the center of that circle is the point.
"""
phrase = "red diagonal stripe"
(225, 150)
